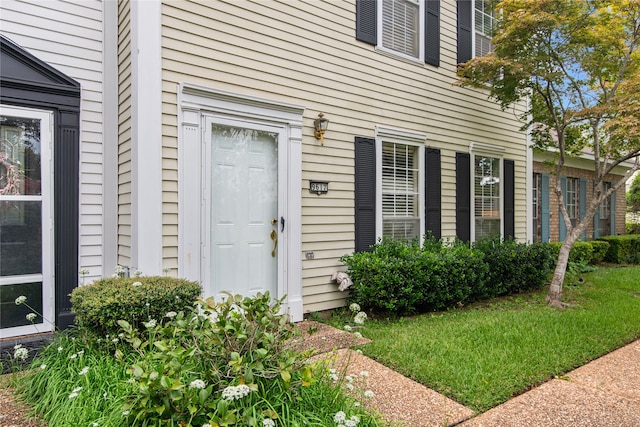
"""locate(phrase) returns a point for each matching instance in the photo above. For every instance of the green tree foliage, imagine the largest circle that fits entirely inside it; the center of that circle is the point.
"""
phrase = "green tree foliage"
(578, 64)
(633, 195)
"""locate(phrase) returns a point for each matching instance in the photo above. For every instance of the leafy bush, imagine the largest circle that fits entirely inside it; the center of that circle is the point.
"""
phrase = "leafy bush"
(226, 363)
(581, 252)
(100, 305)
(514, 267)
(623, 249)
(402, 278)
(632, 228)
(600, 249)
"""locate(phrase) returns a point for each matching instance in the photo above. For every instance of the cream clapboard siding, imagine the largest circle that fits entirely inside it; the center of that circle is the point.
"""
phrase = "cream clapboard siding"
(305, 52)
(124, 133)
(68, 35)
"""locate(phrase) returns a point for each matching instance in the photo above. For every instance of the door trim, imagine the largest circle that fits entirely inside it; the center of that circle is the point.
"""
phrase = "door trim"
(196, 103)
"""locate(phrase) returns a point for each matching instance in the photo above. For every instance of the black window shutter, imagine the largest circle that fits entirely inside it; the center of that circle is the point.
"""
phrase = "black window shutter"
(365, 193)
(509, 198)
(464, 31)
(463, 196)
(366, 21)
(433, 190)
(432, 33)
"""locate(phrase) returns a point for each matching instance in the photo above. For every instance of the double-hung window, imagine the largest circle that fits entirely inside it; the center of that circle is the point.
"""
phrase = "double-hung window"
(484, 23)
(604, 213)
(400, 191)
(487, 199)
(573, 199)
(401, 27)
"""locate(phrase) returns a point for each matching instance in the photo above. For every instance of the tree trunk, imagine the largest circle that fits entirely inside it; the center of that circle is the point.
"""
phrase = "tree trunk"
(554, 297)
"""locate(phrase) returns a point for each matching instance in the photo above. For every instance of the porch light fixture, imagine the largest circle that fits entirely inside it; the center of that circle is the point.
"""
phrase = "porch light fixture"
(320, 124)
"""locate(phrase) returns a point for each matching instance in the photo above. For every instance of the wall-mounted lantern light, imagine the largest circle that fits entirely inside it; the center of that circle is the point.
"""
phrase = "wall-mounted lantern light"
(320, 124)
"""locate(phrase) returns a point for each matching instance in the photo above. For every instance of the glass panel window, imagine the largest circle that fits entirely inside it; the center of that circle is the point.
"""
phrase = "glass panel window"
(484, 23)
(573, 191)
(400, 191)
(401, 26)
(604, 213)
(487, 196)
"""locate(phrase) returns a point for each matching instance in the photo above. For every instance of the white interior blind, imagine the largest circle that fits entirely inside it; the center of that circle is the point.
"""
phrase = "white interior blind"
(487, 196)
(400, 26)
(400, 191)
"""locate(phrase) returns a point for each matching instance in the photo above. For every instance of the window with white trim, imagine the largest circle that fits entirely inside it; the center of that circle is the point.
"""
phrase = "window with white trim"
(487, 196)
(484, 23)
(402, 23)
(573, 199)
(400, 191)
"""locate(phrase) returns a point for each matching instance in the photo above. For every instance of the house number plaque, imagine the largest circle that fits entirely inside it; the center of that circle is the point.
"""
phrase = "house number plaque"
(318, 187)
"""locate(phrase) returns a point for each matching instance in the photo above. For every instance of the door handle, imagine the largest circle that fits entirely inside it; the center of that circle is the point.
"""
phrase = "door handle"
(274, 237)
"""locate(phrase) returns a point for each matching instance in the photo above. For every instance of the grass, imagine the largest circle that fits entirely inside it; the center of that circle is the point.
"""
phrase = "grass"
(484, 354)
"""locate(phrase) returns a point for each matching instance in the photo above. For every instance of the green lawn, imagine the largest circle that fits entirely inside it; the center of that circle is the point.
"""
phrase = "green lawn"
(486, 353)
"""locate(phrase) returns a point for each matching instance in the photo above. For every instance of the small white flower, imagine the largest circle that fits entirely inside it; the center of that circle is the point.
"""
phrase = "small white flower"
(355, 419)
(81, 352)
(131, 380)
(95, 425)
(77, 389)
(151, 324)
(354, 307)
(206, 425)
(350, 423)
(147, 304)
(84, 271)
(17, 346)
(333, 377)
(125, 413)
(21, 300)
(115, 275)
(348, 379)
(84, 371)
(268, 422)
(31, 317)
(368, 394)
(136, 284)
(104, 395)
(197, 384)
(357, 334)
(20, 353)
(348, 328)
(72, 395)
(360, 318)
(43, 366)
(359, 351)
(115, 340)
(171, 314)
(356, 404)
(236, 393)
(339, 417)
(323, 338)
(349, 386)
(59, 349)
(364, 374)
(73, 356)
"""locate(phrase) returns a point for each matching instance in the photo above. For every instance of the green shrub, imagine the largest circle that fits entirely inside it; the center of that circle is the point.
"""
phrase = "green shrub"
(632, 228)
(100, 305)
(514, 267)
(384, 278)
(228, 363)
(600, 249)
(581, 252)
(623, 249)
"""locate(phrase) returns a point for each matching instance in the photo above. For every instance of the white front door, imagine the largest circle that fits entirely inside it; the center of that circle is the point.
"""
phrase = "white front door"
(242, 215)
(26, 240)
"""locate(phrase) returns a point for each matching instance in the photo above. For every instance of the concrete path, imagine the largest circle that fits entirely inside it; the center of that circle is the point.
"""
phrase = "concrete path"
(602, 393)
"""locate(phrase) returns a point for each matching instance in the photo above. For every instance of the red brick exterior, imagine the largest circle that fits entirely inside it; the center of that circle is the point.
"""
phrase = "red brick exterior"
(554, 230)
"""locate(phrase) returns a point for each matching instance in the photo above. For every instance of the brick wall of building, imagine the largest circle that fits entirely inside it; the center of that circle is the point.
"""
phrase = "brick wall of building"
(554, 218)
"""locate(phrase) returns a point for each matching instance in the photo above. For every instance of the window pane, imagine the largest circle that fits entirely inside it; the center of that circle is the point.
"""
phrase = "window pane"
(20, 238)
(19, 156)
(400, 26)
(12, 315)
(487, 196)
(400, 197)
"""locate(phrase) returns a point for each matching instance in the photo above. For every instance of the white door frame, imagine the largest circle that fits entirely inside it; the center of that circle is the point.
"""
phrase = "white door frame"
(46, 190)
(197, 102)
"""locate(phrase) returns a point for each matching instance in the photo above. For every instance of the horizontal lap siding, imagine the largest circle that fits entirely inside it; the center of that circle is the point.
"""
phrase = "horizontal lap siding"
(305, 53)
(124, 133)
(68, 36)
